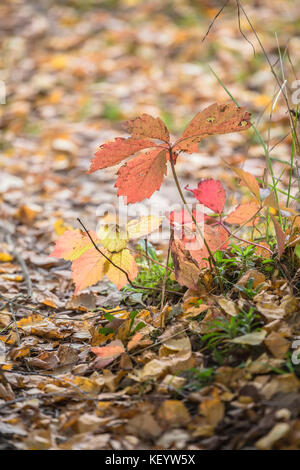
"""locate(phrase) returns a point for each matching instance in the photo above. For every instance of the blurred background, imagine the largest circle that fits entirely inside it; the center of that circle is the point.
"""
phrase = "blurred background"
(74, 69)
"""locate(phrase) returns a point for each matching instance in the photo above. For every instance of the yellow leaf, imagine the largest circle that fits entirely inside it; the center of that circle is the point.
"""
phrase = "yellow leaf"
(143, 226)
(4, 257)
(61, 227)
(112, 237)
(124, 260)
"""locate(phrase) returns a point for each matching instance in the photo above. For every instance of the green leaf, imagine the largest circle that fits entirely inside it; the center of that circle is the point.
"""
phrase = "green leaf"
(139, 326)
(297, 251)
(108, 316)
(105, 331)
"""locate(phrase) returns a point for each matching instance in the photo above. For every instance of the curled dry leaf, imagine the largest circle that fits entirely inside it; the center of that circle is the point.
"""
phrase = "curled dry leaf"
(213, 409)
(249, 181)
(277, 344)
(173, 413)
(276, 433)
(186, 270)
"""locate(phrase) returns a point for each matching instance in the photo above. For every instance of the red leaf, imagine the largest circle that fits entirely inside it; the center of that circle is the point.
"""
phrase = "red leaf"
(141, 176)
(114, 152)
(211, 194)
(147, 126)
(183, 217)
(216, 119)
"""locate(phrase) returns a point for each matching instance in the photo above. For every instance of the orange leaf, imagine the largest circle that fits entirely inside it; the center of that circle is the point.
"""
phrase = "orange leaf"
(141, 176)
(114, 152)
(88, 269)
(270, 201)
(260, 251)
(242, 213)
(216, 119)
(249, 180)
(72, 244)
(147, 126)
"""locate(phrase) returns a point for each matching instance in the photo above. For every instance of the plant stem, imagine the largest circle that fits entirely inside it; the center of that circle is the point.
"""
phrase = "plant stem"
(211, 256)
(245, 241)
(165, 278)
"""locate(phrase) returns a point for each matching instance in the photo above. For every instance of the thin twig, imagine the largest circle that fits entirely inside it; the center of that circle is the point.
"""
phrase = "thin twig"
(213, 21)
(165, 278)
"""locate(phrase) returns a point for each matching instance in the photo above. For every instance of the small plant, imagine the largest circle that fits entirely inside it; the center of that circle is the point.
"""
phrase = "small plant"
(249, 291)
(198, 378)
(152, 277)
(222, 330)
(108, 252)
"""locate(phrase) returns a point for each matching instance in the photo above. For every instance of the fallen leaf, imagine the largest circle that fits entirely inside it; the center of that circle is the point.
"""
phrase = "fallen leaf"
(277, 432)
(251, 339)
(173, 413)
(107, 354)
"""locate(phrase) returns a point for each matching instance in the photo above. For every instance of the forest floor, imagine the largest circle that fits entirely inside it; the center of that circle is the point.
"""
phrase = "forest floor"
(72, 73)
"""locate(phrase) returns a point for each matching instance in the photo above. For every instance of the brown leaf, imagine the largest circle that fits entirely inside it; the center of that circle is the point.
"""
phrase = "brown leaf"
(280, 236)
(173, 413)
(186, 270)
(277, 344)
(249, 180)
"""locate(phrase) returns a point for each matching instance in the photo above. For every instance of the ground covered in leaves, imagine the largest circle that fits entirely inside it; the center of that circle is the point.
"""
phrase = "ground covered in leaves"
(109, 369)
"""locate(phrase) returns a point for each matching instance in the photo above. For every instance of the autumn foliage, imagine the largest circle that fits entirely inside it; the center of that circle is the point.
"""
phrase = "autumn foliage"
(143, 174)
(107, 252)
